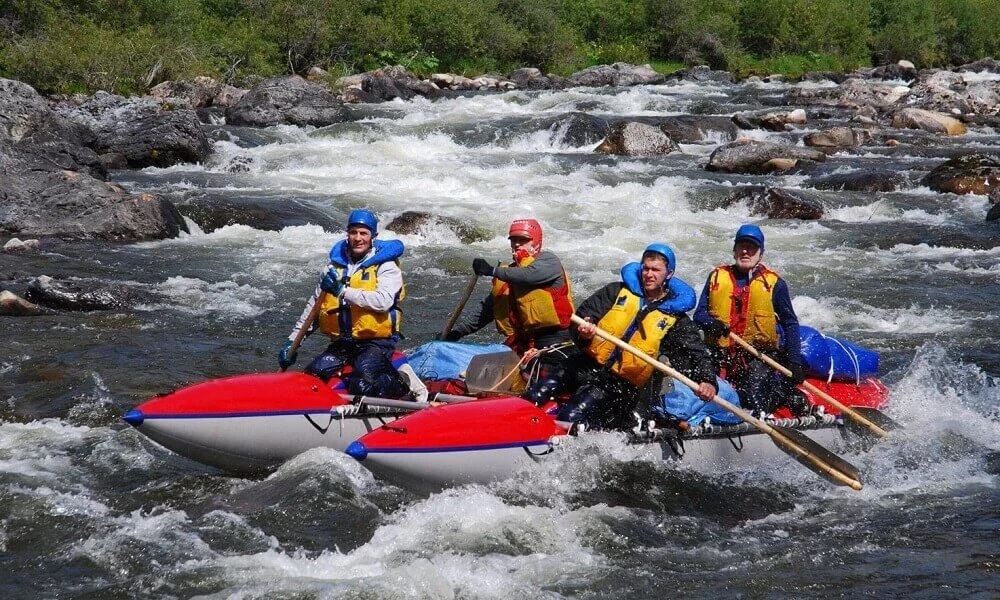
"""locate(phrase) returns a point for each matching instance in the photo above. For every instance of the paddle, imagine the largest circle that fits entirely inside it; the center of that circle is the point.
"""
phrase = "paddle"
(458, 309)
(301, 333)
(806, 451)
(854, 414)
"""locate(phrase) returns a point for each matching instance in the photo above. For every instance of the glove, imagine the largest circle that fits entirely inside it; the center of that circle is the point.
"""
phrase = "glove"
(798, 375)
(286, 356)
(481, 267)
(716, 328)
(331, 283)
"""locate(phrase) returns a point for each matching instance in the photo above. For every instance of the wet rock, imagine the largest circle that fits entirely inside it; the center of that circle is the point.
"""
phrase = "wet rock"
(772, 120)
(82, 294)
(859, 181)
(694, 129)
(532, 79)
(994, 212)
(853, 93)
(12, 305)
(904, 70)
(917, 118)
(777, 203)
(636, 139)
(701, 73)
(52, 181)
(579, 129)
(265, 214)
(838, 137)
(147, 132)
(411, 222)
(969, 174)
(990, 65)
(616, 75)
(756, 157)
(17, 245)
(287, 101)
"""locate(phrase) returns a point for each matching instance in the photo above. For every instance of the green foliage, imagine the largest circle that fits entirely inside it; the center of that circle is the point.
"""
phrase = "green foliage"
(127, 45)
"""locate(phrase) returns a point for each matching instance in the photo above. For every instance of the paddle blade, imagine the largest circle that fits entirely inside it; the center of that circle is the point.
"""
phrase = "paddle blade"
(878, 417)
(843, 472)
(492, 372)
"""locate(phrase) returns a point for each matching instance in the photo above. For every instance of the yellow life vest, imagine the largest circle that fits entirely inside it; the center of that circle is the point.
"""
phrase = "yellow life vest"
(646, 335)
(532, 309)
(501, 307)
(361, 323)
(749, 314)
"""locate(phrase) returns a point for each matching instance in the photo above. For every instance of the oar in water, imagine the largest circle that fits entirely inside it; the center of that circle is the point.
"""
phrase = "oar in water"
(301, 333)
(853, 413)
(806, 451)
(461, 305)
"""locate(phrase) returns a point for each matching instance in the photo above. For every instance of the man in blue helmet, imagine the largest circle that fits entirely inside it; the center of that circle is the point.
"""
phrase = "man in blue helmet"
(647, 310)
(361, 290)
(753, 302)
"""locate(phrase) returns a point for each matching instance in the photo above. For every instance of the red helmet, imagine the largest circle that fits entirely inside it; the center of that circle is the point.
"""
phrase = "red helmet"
(527, 228)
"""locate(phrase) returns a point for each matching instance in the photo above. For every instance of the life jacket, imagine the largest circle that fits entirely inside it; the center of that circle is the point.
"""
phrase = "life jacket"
(357, 322)
(631, 319)
(501, 307)
(533, 309)
(749, 312)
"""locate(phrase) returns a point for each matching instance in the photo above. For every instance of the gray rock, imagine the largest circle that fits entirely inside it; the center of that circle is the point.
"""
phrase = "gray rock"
(777, 203)
(287, 101)
(83, 294)
(12, 305)
(752, 156)
(838, 137)
(616, 75)
(411, 222)
(969, 174)
(636, 139)
(859, 181)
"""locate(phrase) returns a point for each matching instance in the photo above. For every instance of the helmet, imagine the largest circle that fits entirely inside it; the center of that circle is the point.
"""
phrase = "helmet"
(750, 233)
(527, 228)
(365, 218)
(664, 251)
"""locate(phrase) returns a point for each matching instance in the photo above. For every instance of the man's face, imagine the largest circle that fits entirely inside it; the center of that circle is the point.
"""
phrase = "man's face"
(746, 254)
(359, 238)
(654, 274)
(522, 246)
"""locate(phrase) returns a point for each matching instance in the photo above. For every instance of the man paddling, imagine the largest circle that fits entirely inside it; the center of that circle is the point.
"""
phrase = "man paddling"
(647, 310)
(361, 290)
(531, 302)
(753, 301)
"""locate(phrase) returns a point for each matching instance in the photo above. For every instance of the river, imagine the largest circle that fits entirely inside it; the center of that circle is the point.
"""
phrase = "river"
(91, 509)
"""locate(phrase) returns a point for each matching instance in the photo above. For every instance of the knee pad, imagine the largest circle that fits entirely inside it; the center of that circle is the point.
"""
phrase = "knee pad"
(584, 406)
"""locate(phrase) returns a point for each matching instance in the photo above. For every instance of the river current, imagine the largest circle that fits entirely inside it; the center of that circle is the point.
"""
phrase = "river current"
(91, 509)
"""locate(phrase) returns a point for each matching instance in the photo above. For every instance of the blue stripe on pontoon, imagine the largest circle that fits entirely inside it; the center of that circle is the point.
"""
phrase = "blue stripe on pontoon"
(455, 448)
(272, 413)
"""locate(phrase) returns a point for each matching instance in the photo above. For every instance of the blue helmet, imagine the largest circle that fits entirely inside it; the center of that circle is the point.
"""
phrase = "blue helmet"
(365, 218)
(751, 233)
(663, 250)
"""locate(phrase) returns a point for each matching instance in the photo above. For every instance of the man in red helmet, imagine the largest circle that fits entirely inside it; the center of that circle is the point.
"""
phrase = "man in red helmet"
(531, 302)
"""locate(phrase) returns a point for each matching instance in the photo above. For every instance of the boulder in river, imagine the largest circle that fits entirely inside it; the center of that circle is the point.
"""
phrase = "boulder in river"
(869, 181)
(837, 137)
(918, 118)
(287, 100)
(752, 156)
(83, 294)
(12, 305)
(629, 138)
(412, 221)
(969, 174)
(777, 203)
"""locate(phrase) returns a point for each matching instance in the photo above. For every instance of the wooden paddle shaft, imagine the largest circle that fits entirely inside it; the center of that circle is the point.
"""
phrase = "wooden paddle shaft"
(301, 333)
(736, 410)
(469, 288)
(827, 397)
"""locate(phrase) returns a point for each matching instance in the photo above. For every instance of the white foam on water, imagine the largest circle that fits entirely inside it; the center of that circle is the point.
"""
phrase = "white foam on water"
(459, 543)
(831, 314)
(40, 450)
(225, 298)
